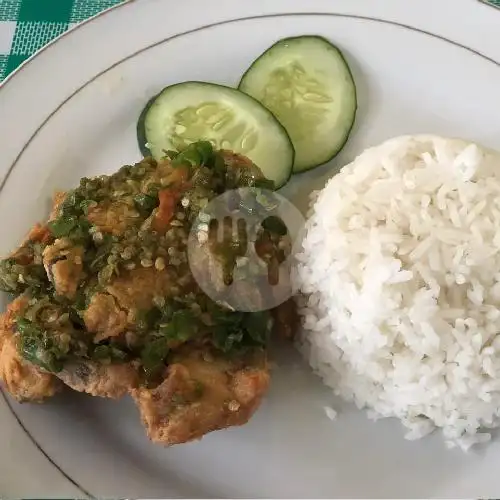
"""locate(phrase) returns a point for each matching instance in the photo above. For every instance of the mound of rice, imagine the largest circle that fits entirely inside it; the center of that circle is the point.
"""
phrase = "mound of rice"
(401, 264)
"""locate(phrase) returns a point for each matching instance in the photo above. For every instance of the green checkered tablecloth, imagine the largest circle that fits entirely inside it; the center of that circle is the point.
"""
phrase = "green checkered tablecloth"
(27, 25)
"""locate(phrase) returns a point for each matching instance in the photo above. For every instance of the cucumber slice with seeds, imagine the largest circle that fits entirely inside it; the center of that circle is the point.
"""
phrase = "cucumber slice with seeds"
(229, 119)
(307, 84)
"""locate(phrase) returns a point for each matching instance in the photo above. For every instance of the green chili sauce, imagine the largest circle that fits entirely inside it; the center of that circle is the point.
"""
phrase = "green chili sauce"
(51, 329)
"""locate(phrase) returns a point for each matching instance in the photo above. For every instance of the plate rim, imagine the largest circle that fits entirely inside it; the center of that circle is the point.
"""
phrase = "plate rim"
(5, 398)
(401, 25)
(125, 3)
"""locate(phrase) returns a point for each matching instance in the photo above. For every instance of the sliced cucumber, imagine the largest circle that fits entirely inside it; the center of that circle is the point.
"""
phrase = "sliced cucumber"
(307, 84)
(229, 119)
(141, 131)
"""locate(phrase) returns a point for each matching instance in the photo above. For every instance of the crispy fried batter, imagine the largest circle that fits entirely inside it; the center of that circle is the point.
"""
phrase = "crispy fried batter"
(24, 381)
(201, 393)
(107, 381)
(57, 201)
(136, 289)
(113, 218)
(63, 263)
(38, 233)
(111, 312)
(104, 318)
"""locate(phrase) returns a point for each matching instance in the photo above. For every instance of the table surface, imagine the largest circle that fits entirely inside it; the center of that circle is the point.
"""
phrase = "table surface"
(27, 25)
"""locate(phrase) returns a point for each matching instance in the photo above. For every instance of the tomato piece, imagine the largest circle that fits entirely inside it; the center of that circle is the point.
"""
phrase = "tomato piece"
(177, 180)
(166, 209)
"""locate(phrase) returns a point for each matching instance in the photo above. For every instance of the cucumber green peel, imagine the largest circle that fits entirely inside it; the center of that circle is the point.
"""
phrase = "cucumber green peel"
(307, 84)
(229, 119)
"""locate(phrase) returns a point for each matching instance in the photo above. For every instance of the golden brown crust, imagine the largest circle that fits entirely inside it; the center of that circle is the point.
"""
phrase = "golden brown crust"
(113, 218)
(110, 313)
(201, 394)
(106, 381)
(63, 264)
(24, 381)
(57, 201)
(136, 289)
(104, 318)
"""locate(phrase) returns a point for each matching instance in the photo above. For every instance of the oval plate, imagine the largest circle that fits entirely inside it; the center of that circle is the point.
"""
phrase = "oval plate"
(72, 110)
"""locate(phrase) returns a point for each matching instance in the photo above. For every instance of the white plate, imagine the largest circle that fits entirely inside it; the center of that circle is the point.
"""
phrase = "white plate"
(71, 111)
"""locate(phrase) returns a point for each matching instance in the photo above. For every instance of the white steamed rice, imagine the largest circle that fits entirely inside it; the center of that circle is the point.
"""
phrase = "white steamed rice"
(401, 264)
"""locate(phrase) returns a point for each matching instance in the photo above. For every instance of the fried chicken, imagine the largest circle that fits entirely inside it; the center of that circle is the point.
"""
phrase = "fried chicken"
(107, 303)
(202, 392)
